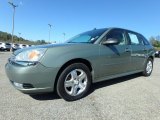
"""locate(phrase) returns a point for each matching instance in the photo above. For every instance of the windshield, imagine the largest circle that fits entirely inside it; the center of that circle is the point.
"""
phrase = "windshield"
(87, 37)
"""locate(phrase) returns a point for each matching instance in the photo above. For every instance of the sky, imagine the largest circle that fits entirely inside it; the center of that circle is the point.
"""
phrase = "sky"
(75, 16)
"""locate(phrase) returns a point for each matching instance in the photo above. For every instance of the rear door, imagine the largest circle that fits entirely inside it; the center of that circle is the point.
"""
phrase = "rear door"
(138, 51)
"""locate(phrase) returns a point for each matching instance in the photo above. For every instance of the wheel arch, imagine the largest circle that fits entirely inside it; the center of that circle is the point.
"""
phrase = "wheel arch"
(76, 60)
(151, 57)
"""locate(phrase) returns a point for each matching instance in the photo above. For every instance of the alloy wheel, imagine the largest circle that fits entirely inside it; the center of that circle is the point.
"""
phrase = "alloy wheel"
(149, 67)
(75, 82)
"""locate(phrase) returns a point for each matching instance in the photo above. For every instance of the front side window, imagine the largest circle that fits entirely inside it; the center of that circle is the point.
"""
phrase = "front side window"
(117, 34)
(8, 44)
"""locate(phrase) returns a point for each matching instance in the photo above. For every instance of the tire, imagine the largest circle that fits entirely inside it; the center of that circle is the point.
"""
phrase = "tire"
(159, 55)
(148, 67)
(74, 82)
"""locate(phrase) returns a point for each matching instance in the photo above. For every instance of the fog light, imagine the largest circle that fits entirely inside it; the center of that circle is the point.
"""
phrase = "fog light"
(18, 85)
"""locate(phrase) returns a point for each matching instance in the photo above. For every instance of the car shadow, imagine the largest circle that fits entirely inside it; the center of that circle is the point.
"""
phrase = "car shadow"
(45, 96)
(95, 86)
(110, 82)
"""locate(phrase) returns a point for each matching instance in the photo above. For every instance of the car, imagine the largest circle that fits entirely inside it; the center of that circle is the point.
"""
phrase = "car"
(29, 45)
(5, 46)
(157, 54)
(15, 46)
(2, 46)
(71, 68)
(21, 46)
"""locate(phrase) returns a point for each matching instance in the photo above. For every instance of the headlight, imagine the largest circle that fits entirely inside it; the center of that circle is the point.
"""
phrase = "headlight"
(32, 55)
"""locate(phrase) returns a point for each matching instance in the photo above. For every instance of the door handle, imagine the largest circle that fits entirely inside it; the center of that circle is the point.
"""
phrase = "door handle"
(144, 49)
(127, 50)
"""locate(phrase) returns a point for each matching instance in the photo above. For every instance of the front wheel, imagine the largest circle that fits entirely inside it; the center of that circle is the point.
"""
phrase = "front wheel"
(148, 67)
(74, 82)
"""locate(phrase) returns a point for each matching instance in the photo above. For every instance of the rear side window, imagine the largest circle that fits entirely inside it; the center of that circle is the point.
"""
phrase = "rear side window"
(8, 44)
(145, 41)
(134, 39)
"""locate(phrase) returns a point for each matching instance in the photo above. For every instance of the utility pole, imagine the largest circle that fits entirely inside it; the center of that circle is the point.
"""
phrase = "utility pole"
(50, 26)
(19, 36)
(64, 36)
(14, 8)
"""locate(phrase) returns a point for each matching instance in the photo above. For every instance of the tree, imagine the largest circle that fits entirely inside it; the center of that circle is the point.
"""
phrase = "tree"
(154, 42)
(6, 37)
(158, 38)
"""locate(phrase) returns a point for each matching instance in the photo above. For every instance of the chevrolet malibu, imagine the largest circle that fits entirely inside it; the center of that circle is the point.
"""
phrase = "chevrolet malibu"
(72, 67)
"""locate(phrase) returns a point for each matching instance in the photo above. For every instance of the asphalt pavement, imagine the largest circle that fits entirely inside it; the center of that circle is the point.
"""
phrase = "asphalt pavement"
(134, 97)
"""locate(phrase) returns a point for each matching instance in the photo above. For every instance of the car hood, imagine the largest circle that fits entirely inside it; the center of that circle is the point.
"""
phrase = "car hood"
(47, 46)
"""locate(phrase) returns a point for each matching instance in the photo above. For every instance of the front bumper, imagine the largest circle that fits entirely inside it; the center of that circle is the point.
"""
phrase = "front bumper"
(32, 79)
(2, 49)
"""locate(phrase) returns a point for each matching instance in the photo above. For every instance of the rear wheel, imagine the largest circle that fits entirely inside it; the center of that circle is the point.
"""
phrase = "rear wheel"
(148, 67)
(74, 82)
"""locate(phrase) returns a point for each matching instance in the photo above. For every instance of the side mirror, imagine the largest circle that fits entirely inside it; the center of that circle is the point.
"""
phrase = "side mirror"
(110, 41)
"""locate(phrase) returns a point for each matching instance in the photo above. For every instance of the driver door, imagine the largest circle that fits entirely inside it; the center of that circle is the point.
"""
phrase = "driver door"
(115, 59)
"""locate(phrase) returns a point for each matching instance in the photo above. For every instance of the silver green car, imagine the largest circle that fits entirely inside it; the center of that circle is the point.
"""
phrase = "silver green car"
(70, 68)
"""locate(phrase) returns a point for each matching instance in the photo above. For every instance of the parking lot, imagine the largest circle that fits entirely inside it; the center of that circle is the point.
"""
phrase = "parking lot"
(128, 98)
